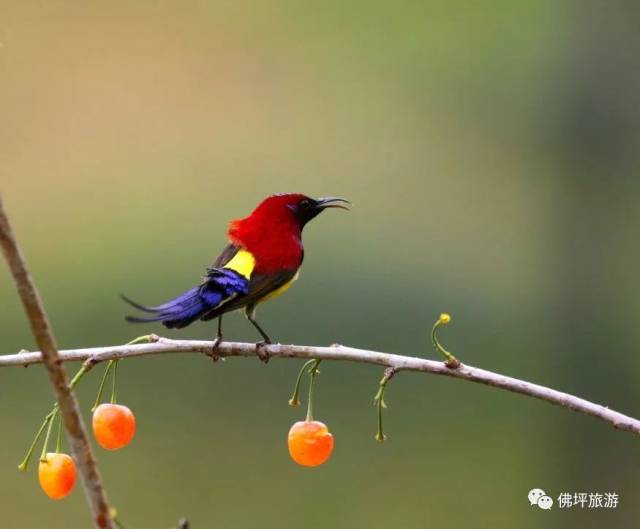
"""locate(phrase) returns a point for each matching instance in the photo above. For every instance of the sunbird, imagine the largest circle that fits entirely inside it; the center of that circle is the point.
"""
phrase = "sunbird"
(261, 261)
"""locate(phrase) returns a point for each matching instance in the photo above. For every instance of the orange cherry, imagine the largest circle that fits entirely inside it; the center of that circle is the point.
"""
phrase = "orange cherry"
(113, 426)
(57, 475)
(310, 443)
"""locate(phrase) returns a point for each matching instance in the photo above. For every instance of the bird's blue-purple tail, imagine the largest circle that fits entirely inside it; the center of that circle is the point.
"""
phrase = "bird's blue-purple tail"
(219, 286)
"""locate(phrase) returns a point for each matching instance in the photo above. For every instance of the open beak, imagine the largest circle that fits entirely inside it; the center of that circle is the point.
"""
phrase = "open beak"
(332, 202)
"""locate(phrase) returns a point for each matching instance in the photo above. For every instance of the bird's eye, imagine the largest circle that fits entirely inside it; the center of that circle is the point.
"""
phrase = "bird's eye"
(305, 203)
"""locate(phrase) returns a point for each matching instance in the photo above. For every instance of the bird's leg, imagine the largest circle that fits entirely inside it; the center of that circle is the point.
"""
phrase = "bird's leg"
(216, 342)
(262, 354)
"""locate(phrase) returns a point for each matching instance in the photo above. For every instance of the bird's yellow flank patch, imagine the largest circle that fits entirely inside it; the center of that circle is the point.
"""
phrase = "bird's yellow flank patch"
(279, 291)
(243, 263)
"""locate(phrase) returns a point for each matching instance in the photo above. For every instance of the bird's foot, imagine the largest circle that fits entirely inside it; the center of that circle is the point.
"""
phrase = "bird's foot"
(263, 355)
(213, 353)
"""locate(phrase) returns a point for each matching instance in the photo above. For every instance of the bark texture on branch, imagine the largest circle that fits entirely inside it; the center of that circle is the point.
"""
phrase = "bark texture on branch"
(67, 402)
(343, 353)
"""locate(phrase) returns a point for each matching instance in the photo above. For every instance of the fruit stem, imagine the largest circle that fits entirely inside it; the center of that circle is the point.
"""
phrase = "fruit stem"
(313, 373)
(295, 398)
(79, 374)
(378, 400)
(101, 386)
(147, 338)
(114, 517)
(451, 361)
(380, 436)
(25, 462)
(50, 420)
(59, 438)
(113, 382)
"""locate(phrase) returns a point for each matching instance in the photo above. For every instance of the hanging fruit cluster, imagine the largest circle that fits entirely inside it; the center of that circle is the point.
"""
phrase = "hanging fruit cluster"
(114, 426)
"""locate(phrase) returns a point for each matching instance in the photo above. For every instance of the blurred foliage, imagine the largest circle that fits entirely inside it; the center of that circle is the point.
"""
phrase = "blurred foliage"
(491, 152)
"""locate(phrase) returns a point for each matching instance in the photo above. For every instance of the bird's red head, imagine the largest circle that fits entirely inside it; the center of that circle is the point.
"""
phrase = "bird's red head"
(272, 232)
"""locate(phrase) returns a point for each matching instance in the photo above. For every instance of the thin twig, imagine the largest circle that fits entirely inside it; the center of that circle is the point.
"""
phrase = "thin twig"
(339, 352)
(69, 409)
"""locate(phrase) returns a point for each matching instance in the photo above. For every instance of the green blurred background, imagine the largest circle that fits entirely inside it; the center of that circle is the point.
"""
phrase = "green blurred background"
(491, 151)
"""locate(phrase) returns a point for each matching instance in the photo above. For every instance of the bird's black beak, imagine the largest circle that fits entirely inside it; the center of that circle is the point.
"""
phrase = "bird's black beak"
(332, 202)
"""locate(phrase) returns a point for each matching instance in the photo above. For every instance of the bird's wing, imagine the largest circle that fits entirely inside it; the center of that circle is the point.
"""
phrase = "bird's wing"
(229, 251)
(225, 280)
(261, 287)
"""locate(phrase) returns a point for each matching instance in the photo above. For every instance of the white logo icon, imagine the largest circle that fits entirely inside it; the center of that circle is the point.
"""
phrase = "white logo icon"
(539, 497)
(545, 502)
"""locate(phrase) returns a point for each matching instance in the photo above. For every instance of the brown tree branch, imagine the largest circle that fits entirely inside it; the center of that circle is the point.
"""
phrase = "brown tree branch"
(67, 402)
(339, 352)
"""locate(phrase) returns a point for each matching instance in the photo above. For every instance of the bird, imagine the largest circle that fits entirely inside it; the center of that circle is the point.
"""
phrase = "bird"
(261, 261)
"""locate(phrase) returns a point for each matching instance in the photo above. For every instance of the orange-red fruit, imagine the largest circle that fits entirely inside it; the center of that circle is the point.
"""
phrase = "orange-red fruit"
(113, 426)
(57, 475)
(310, 443)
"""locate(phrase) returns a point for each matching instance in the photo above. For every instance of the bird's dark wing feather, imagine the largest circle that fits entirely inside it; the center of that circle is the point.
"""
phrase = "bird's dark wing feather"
(260, 285)
(225, 255)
